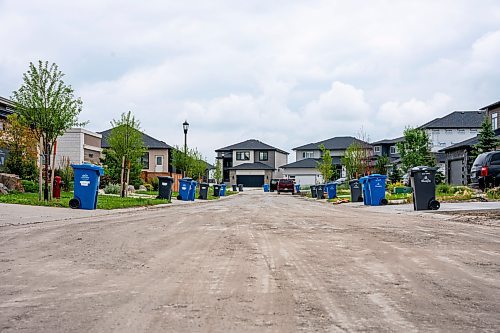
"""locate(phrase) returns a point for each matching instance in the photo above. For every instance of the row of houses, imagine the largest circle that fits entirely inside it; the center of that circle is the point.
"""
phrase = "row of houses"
(253, 163)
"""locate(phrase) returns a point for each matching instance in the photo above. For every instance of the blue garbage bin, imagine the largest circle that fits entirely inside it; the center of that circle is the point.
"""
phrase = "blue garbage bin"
(266, 187)
(331, 189)
(222, 190)
(365, 188)
(192, 190)
(184, 186)
(86, 186)
(297, 188)
(376, 184)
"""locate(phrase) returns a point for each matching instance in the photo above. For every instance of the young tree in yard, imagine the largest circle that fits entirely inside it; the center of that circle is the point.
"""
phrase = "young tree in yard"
(47, 105)
(415, 149)
(325, 167)
(487, 139)
(353, 160)
(395, 175)
(218, 171)
(127, 148)
(197, 165)
(381, 164)
(21, 143)
(179, 159)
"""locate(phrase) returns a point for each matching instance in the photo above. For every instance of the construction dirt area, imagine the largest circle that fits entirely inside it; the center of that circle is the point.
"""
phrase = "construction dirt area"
(253, 262)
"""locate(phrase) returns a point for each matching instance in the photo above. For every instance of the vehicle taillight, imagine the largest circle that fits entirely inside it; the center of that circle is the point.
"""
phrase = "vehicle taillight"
(484, 171)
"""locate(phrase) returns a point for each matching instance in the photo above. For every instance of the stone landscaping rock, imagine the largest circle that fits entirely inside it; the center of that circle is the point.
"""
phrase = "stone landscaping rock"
(130, 189)
(11, 182)
(3, 189)
(142, 188)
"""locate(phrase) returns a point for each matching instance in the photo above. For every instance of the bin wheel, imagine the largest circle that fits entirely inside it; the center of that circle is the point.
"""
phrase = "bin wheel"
(74, 203)
(360, 199)
(179, 197)
(384, 201)
(434, 205)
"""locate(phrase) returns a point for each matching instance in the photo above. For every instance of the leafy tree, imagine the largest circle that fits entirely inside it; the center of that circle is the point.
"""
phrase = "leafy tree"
(487, 140)
(395, 175)
(192, 163)
(47, 105)
(381, 164)
(325, 166)
(415, 149)
(218, 171)
(179, 159)
(21, 142)
(354, 160)
(126, 148)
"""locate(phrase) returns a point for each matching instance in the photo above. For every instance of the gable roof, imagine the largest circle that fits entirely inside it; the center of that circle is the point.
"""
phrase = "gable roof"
(457, 119)
(388, 141)
(491, 106)
(336, 143)
(149, 142)
(252, 166)
(251, 144)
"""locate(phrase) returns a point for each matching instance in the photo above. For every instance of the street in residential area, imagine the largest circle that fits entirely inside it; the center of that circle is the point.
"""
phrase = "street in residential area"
(253, 262)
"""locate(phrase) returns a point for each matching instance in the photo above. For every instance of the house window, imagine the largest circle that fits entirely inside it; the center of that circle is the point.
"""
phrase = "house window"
(307, 154)
(377, 149)
(435, 131)
(393, 150)
(263, 156)
(473, 130)
(159, 160)
(448, 131)
(145, 161)
(461, 131)
(243, 156)
(494, 121)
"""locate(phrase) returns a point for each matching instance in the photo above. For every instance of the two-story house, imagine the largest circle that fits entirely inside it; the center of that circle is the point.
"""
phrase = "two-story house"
(304, 170)
(453, 128)
(387, 147)
(78, 145)
(251, 163)
(493, 113)
(6, 109)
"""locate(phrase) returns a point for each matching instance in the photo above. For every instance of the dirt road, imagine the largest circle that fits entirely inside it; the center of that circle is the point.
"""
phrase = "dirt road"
(254, 263)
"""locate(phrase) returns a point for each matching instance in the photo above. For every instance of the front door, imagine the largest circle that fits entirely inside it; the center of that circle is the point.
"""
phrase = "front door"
(158, 163)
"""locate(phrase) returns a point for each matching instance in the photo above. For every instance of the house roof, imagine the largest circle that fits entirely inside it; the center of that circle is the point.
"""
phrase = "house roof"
(149, 142)
(457, 119)
(491, 106)
(252, 166)
(309, 163)
(388, 141)
(468, 143)
(251, 144)
(6, 107)
(336, 143)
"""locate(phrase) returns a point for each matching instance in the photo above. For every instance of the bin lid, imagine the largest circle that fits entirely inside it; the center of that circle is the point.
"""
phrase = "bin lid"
(423, 168)
(352, 181)
(363, 179)
(87, 166)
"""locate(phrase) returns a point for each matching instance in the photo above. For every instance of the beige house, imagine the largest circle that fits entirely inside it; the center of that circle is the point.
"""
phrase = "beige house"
(79, 145)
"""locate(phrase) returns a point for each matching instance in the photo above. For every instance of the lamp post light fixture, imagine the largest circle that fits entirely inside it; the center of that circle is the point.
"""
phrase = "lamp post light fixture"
(185, 127)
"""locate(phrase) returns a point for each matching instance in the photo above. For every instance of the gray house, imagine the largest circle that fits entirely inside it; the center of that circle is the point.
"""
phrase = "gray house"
(304, 171)
(251, 163)
(493, 112)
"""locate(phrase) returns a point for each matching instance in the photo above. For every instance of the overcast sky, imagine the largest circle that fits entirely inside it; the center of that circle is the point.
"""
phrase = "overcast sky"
(284, 72)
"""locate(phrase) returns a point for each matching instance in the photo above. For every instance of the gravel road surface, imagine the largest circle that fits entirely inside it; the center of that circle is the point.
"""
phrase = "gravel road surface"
(254, 262)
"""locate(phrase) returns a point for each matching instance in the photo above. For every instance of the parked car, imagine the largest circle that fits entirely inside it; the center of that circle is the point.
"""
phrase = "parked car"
(485, 171)
(285, 185)
(273, 185)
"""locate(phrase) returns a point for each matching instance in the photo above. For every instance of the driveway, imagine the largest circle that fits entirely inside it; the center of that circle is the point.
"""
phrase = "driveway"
(256, 262)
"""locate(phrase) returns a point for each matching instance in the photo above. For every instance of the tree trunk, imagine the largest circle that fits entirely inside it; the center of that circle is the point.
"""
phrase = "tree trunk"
(40, 170)
(54, 145)
(122, 192)
(128, 179)
(46, 171)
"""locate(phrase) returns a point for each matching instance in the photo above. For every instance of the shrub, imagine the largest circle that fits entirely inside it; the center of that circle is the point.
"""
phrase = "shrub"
(155, 183)
(29, 186)
(112, 189)
(148, 187)
(493, 193)
(444, 189)
(65, 171)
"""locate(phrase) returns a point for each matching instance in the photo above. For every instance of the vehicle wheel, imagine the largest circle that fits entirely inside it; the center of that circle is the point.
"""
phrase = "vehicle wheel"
(74, 203)
(278, 192)
(384, 201)
(434, 205)
(293, 193)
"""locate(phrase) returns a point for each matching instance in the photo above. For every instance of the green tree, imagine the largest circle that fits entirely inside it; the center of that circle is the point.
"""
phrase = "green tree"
(126, 148)
(395, 175)
(48, 106)
(179, 159)
(325, 166)
(354, 160)
(487, 140)
(381, 164)
(415, 149)
(21, 143)
(192, 163)
(218, 171)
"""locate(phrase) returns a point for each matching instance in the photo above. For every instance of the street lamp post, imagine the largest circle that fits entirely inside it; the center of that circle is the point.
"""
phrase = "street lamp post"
(185, 126)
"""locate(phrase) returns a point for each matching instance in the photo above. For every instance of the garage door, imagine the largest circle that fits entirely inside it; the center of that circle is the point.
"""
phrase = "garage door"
(456, 172)
(250, 181)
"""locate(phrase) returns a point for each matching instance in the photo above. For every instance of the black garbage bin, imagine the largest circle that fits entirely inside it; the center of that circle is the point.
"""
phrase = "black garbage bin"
(356, 192)
(320, 191)
(203, 195)
(235, 187)
(240, 187)
(165, 187)
(423, 182)
(216, 190)
(313, 191)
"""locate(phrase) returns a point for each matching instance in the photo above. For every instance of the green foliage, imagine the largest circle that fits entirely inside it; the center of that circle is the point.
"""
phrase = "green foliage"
(493, 193)
(155, 183)
(325, 167)
(487, 140)
(415, 149)
(192, 162)
(439, 177)
(355, 160)
(444, 189)
(29, 186)
(112, 189)
(395, 176)
(148, 187)
(218, 171)
(381, 164)
(65, 171)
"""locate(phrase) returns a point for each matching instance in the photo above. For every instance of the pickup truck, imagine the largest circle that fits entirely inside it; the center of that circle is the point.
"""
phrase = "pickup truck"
(285, 185)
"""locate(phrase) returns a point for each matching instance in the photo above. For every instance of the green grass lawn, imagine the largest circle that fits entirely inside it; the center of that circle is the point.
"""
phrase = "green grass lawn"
(103, 202)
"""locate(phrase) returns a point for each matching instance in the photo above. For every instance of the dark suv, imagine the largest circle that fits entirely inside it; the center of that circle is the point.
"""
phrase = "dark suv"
(485, 171)
(274, 185)
(285, 185)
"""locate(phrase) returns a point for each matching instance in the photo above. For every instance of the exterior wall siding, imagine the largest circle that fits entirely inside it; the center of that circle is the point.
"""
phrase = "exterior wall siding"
(152, 160)
(298, 156)
(237, 162)
(443, 139)
(270, 157)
